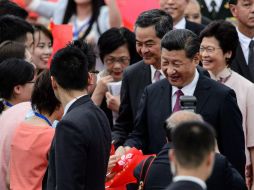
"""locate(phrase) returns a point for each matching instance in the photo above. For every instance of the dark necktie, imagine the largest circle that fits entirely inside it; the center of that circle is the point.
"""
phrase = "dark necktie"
(157, 75)
(213, 12)
(251, 57)
(177, 106)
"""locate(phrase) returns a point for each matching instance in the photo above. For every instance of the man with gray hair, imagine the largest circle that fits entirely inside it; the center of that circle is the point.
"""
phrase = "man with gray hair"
(159, 175)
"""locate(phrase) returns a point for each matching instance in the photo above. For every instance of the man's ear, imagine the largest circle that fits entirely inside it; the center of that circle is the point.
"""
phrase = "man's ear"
(196, 59)
(53, 83)
(171, 155)
(17, 90)
(233, 9)
(90, 78)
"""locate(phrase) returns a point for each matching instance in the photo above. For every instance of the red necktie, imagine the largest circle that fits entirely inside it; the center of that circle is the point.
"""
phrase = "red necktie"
(177, 106)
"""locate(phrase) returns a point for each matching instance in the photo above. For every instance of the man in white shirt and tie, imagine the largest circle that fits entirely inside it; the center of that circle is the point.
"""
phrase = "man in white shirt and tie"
(243, 11)
(215, 102)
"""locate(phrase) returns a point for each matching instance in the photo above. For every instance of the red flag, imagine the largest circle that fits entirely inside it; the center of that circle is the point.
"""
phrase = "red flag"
(130, 9)
(124, 169)
(62, 35)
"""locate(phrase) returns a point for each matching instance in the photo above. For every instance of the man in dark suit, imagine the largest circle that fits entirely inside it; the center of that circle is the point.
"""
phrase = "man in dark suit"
(176, 9)
(150, 27)
(243, 63)
(215, 102)
(159, 175)
(193, 155)
(215, 9)
(80, 150)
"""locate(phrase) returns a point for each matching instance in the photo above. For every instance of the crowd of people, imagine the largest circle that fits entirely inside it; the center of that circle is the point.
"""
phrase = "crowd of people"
(68, 119)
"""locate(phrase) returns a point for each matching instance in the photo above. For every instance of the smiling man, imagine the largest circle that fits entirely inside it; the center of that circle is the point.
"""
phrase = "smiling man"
(215, 102)
(176, 9)
(150, 27)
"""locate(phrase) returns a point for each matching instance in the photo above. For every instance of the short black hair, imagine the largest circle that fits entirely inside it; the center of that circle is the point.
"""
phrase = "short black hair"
(225, 33)
(11, 49)
(113, 38)
(14, 72)
(181, 39)
(14, 28)
(87, 49)
(43, 98)
(161, 21)
(233, 2)
(11, 8)
(69, 67)
(192, 142)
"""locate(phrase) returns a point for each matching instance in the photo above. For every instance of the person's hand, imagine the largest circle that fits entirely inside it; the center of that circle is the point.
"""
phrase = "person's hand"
(113, 159)
(102, 84)
(113, 102)
(249, 177)
(120, 151)
(27, 2)
(100, 89)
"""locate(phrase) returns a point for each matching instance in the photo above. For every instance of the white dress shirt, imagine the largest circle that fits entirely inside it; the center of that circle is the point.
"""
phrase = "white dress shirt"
(68, 105)
(153, 70)
(217, 7)
(181, 24)
(245, 42)
(190, 178)
(187, 90)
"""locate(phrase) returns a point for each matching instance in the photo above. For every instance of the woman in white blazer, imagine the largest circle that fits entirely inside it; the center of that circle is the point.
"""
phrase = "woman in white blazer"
(218, 47)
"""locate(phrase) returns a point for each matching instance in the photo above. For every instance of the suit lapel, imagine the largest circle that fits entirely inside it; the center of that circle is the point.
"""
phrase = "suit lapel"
(164, 97)
(241, 61)
(144, 79)
(202, 92)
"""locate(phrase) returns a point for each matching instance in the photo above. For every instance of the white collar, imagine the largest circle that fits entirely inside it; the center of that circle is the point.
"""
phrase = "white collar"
(244, 40)
(190, 178)
(153, 70)
(218, 5)
(181, 24)
(189, 89)
(68, 105)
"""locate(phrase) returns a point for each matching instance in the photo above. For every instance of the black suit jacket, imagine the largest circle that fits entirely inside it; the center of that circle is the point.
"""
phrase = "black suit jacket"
(194, 27)
(184, 185)
(224, 11)
(159, 176)
(135, 78)
(215, 102)
(80, 149)
(239, 64)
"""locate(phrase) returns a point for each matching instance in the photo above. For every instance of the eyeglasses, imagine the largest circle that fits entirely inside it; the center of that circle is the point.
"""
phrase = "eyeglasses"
(121, 60)
(208, 49)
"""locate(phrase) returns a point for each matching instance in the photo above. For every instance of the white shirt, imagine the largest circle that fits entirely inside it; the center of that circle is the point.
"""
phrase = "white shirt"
(153, 70)
(181, 24)
(187, 90)
(217, 7)
(68, 105)
(245, 42)
(190, 178)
